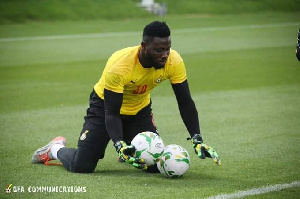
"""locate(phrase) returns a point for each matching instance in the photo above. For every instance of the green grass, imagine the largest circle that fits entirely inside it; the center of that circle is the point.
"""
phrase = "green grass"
(244, 81)
(230, 6)
(19, 11)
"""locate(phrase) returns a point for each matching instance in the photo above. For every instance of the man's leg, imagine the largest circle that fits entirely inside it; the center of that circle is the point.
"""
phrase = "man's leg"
(142, 121)
(91, 146)
(92, 142)
(80, 160)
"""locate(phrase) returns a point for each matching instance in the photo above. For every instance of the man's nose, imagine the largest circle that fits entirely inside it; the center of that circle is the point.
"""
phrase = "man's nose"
(165, 54)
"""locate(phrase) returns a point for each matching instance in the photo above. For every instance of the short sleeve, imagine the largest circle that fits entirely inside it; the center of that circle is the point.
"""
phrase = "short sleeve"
(178, 74)
(114, 82)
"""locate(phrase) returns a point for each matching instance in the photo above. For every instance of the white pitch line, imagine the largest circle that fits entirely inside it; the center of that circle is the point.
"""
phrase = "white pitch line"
(257, 191)
(124, 34)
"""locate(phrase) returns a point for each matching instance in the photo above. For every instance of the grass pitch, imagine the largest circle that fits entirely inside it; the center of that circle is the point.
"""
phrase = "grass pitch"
(244, 79)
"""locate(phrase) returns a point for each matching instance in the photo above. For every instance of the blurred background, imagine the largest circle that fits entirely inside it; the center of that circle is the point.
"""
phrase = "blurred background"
(52, 10)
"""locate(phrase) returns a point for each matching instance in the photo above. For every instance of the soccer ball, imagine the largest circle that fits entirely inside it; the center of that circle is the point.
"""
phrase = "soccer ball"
(149, 146)
(174, 162)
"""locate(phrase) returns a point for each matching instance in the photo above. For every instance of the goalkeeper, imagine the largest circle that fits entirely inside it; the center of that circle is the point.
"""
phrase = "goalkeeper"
(120, 105)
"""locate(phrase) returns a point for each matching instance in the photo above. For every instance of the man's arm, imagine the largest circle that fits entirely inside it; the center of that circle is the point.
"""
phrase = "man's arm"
(187, 107)
(112, 106)
(190, 118)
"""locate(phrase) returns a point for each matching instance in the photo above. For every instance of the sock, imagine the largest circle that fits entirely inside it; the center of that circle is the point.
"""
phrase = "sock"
(54, 149)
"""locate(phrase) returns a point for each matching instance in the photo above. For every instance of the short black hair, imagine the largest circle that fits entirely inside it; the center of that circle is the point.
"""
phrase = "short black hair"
(156, 29)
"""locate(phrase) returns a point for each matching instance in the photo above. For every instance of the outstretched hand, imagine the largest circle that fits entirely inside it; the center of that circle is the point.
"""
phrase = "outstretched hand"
(203, 150)
(126, 151)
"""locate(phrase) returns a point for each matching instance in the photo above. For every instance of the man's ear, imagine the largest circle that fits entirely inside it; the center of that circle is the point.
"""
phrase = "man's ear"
(143, 44)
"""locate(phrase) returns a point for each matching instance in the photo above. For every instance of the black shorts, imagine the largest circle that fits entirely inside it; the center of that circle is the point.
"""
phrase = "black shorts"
(94, 135)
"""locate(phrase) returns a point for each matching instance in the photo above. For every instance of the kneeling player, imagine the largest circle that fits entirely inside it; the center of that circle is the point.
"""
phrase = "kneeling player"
(120, 105)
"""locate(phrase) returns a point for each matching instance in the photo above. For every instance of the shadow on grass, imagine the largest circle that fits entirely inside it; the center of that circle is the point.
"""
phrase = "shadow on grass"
(123, 172)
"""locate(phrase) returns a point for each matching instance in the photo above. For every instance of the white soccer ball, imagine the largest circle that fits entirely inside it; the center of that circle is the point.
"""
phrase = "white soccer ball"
(149, 146)
(174, 162)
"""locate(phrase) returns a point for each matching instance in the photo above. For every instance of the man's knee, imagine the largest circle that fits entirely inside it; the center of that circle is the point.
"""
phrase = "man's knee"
(84, 167)
(81, 160)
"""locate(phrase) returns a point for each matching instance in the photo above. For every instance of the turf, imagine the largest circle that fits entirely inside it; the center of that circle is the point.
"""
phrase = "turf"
(19, 11)
(244, 78)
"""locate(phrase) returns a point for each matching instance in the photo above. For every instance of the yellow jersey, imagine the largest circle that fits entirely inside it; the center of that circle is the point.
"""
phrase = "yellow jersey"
(124, 73)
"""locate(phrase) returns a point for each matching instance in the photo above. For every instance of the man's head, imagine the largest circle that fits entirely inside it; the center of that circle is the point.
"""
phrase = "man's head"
(156, 44)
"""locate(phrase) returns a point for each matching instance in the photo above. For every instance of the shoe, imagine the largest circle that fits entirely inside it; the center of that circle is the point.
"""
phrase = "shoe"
(43, 154)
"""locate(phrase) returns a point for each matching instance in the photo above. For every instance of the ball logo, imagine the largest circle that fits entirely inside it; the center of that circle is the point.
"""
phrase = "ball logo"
(158, 145)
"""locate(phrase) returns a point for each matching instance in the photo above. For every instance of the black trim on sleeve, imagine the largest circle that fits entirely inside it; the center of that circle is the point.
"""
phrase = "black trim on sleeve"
(187, 107)
(112, 106)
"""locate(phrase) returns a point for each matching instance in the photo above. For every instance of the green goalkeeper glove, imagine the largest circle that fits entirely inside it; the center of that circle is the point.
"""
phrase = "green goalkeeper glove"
(126, 151)
(203, 150)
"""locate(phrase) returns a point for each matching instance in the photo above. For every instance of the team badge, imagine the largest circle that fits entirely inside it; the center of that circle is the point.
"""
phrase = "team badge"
(159, 79)
(83, 136)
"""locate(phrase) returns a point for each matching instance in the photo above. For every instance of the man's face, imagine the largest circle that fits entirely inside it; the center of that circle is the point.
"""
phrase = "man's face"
(157, 51)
